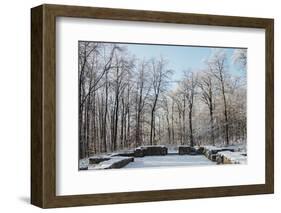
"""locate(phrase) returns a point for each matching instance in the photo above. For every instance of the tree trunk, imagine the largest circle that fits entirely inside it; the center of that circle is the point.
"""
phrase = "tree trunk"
(105, 114)
(115, 127)
(190, 127)
(180, 126)
(151, 128)
(212, 125)
(173, 130)
(225, 115)
(183, 121)
(122, 124)
(168, 128)
(94, 140)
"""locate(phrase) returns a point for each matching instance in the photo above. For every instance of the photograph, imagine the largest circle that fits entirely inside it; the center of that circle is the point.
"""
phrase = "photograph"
(155, 105)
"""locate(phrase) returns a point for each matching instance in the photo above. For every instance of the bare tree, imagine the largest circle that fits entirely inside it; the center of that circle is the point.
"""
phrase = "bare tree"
(159, 77)
(167, 117)
(217, 66)
(189, 85)
(106, 68)
(206, 85)
(87, 50)
(119, 84)
(143, 88)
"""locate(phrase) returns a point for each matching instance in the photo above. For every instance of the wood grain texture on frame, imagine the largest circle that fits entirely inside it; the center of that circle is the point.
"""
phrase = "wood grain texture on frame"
(43, 105)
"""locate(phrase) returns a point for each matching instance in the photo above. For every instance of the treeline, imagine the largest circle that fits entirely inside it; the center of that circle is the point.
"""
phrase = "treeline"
(125, 102)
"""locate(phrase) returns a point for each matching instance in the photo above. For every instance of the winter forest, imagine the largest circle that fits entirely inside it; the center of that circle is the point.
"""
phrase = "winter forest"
(133, 95)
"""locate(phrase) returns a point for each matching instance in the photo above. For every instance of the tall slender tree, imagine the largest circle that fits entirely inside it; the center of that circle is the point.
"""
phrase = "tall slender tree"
(217, 66)
(206, 85)
(189, 85)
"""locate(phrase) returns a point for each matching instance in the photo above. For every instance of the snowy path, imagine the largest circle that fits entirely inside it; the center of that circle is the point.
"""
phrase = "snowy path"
(170, 160)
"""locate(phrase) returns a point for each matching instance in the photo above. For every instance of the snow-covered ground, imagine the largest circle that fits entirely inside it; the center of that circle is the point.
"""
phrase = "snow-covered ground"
(234, 157)
(170, 160)
(110, 164)
(234, 154)
(236, 147)
(83, 164)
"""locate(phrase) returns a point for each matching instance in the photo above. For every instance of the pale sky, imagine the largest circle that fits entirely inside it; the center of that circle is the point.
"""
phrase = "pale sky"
(181, 57)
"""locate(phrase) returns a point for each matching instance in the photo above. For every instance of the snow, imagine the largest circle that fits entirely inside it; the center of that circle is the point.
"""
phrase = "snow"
(148, 146)
(83, 163)
(124, 152)
(108, 163)
(234, 157)
(126, 160)
(170, 160)
(234, 154)
(235, 147)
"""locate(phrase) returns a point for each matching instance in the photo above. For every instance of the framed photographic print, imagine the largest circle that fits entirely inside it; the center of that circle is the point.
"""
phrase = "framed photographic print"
(136, 106)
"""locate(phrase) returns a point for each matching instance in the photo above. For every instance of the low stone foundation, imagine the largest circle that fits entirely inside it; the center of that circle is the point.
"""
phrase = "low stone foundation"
(112, 163)
(150, 151)
(121, 163)
(227, 157)
(96, 160)
(211, 152)
(186, 150)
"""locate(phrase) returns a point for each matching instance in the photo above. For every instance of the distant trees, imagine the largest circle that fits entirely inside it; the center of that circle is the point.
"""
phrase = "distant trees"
(125, 102)
(87, 81)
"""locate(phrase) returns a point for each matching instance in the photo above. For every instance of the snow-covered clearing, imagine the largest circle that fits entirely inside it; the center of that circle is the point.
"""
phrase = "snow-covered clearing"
(170, 160)
(152, 156)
